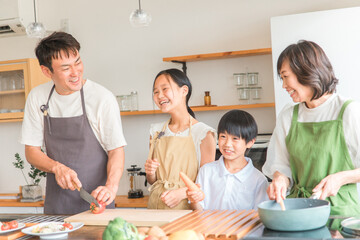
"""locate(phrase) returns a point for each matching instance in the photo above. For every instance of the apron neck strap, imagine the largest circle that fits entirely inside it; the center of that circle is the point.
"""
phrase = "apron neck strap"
(45, 107)
(341, 113)
(295, 113)
(167, 123)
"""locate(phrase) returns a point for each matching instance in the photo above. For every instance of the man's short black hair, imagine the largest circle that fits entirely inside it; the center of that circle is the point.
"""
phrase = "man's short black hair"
(238, 123)
(50, 48)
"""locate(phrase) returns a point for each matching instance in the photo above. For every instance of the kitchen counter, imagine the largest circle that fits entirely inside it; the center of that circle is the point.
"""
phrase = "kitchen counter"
(121, 201)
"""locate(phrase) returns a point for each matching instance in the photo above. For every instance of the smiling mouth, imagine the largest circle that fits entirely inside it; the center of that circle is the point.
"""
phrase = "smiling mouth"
(291, 92)
(163, 102)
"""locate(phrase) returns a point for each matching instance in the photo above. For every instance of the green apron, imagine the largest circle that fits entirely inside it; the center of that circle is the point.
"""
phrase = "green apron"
(318, 149)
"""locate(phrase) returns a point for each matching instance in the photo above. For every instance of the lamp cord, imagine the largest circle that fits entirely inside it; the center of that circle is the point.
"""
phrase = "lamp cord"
(35, 10)
(139, 6)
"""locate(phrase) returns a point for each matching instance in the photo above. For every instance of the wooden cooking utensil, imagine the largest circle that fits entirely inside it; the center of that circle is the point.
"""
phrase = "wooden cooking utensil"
(282, 205)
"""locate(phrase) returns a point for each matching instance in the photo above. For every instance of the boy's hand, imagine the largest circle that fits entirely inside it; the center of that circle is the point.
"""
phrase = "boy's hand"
(195, 196)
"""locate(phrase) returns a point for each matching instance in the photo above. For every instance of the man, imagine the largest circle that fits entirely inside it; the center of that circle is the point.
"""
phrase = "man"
(78, 124)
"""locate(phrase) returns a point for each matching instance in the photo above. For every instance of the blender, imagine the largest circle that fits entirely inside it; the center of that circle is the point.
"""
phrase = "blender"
(134, 173)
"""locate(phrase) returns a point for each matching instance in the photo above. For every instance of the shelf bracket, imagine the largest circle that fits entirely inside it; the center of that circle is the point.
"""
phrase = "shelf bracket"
(183, 67)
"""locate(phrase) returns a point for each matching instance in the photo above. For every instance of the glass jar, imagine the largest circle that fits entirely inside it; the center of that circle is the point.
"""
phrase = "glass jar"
(253, 78)
(244, 93)
(240, 79)
(256, 93)
(134, 101)
(124, 102)
(207, 98)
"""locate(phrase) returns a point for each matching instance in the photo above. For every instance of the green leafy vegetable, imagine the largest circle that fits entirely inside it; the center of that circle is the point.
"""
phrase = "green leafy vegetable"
(119, 229)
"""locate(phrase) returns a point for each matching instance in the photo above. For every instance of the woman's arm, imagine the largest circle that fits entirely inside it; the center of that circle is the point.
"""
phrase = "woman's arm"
(208, 149)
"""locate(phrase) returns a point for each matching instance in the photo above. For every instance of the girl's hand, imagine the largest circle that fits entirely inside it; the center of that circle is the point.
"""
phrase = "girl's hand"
(330, 185)
(173, 197)
(277, 189)
(150, 166)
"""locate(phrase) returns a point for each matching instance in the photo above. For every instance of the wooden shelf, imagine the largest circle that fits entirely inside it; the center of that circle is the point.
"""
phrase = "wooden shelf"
(220, 55)
(204, 108)
(12, 92)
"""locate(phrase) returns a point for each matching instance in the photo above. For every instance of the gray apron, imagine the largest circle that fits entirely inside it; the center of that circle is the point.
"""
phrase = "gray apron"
(71, 141)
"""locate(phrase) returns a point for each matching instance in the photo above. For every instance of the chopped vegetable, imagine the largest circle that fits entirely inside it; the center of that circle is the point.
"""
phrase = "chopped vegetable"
(5, 226)
(52, 227)
(119, 229)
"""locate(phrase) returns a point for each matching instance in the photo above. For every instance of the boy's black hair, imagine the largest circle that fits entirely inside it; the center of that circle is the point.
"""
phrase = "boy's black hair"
(238, 123)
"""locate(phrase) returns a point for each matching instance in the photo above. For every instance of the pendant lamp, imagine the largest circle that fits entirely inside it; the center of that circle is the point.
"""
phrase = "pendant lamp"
(139, 18)
(35, 29)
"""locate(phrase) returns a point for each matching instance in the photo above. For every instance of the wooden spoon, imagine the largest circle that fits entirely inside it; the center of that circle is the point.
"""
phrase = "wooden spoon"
(282, 205)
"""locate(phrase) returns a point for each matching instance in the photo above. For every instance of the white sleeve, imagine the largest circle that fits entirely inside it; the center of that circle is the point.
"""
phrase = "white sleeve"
(32, 132)
(110, 126)
(200, 179)
(351, 125)
(261, 194)
(277, 158)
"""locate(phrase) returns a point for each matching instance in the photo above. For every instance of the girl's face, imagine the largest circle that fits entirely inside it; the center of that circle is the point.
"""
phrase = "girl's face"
(167, 94)
(233, 147)
(297, 91)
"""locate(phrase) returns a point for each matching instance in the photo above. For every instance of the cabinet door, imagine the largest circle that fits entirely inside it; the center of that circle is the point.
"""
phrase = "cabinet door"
(12, 90)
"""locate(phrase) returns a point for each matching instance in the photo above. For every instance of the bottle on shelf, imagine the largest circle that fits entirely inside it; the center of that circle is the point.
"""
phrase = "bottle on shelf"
(134, 101)
(207, 98)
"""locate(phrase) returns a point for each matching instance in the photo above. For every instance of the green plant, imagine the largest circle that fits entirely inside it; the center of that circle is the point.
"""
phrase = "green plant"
(34, 173)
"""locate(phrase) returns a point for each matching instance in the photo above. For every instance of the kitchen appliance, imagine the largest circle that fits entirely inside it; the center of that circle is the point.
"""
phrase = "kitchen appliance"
(134, 173)
(301, 214)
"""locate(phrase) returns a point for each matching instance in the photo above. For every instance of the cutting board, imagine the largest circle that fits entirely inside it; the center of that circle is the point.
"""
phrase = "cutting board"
(138, 217)
(217, 224)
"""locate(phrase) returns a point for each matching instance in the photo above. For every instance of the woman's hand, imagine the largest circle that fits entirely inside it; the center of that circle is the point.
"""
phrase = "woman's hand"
(277, 189)
(330, 185)
(173, 197)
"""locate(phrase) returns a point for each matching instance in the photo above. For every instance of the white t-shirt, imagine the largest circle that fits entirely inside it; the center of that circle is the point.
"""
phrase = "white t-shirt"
(198, 132)
(101, 106)
(277, 155)
(226, 191)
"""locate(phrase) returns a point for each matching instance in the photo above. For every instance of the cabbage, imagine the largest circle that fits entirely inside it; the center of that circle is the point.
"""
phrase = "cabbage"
(119, 229)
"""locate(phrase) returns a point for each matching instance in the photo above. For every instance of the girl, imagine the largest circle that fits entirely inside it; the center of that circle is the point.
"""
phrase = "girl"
(180, 144)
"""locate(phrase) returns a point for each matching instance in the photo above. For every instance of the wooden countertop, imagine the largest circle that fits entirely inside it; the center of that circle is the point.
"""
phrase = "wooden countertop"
(121, 201)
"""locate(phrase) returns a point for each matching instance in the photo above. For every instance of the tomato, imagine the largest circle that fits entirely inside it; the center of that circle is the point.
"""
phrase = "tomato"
(13, 224)
(68, 226)
(96, 210)
(5, 226)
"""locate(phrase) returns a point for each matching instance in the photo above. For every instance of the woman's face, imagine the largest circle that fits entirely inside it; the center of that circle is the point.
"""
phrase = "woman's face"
(167, 94)
(297, 91)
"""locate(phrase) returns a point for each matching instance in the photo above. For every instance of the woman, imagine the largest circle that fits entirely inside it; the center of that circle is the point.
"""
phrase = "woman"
(315, 145)
(180, 144)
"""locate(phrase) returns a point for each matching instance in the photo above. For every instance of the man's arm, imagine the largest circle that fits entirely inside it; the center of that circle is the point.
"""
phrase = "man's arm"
(115, 168)
(64, 175)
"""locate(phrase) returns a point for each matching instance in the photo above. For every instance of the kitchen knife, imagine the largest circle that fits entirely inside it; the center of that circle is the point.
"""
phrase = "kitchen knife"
(86, 196)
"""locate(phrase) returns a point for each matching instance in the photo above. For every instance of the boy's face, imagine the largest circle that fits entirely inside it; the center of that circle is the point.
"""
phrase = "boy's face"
(233, 147)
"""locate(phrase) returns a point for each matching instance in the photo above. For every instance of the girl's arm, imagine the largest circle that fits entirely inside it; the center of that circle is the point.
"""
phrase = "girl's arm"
(207, 148)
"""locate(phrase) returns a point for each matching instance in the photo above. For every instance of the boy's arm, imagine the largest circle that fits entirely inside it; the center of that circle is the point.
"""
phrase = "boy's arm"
(196, 206)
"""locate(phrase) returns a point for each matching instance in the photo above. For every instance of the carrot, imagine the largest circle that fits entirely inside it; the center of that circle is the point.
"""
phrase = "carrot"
(189, 184)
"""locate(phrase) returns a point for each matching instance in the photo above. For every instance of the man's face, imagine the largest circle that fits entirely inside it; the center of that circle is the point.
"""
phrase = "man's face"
(67, 73)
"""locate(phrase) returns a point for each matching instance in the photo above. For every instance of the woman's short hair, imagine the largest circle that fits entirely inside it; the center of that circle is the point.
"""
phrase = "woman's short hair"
(311, 66)
(238, 123)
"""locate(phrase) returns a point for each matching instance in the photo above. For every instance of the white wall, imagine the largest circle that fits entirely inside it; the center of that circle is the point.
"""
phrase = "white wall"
(336, 31)
(123, 58)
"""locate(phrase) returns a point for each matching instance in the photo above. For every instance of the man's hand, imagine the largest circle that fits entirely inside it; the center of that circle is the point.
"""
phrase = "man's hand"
(65, 177)
(105, 194)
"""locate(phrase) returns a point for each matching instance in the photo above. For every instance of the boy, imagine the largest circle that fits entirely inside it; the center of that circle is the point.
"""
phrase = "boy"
(232, 182)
